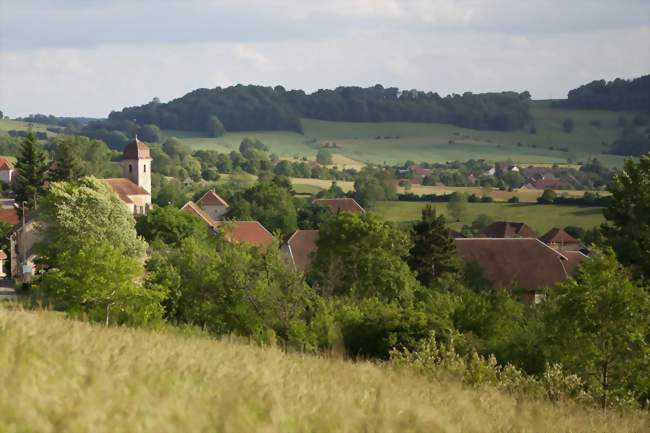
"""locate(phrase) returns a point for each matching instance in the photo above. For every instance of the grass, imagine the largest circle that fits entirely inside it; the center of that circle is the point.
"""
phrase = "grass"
(357, 143)
(16, 125)
(524, 195)
(119, 379)
(540, 217)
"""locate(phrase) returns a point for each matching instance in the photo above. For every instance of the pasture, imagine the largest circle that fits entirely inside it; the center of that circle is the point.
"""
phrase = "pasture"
(396, 142)
(117, 379)
(540, 217)
(16, 125)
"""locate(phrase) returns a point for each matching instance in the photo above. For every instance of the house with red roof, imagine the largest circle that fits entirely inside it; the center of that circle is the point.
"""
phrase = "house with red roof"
(6, 170)
(251, 232)
(507, 229)
(523, 265)
(560, 240)
(213, 205)
(299, 249)
(340, 205)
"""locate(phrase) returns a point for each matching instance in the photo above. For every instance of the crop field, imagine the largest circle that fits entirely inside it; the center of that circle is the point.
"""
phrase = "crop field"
(117, 379)
(524, 195)
(396, 142)
(540, 217)
(15, 125)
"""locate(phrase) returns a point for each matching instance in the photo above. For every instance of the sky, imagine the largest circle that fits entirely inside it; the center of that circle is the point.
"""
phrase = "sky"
(89, 57)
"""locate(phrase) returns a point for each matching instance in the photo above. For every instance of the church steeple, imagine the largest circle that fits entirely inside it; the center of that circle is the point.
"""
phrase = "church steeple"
(136, 163)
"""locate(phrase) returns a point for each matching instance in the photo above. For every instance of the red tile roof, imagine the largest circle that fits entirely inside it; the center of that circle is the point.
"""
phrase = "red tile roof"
(211, 198)
(302, 247)
(136, 149)
(558, 236)
(547, 183)
(124, 188)
(9, 216)
(5, 164)
(251, 232)
(3, 255)
(514, 263)
(574, 259)
(338, 205)
(507, 229)
(193, 208)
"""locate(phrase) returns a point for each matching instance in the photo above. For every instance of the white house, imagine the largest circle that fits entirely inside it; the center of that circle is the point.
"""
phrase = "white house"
(213, 205)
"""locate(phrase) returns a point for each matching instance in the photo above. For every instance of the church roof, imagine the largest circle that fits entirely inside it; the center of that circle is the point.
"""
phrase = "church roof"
(136, 149)
(125, 188)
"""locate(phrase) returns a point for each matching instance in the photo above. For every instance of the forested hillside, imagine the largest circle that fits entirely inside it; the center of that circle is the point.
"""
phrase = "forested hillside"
(240, 108)
(620, 94)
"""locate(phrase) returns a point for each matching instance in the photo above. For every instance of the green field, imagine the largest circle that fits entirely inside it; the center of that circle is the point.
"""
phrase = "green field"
(540, 217)
(15, 125)
(116, 379)
(440, 142)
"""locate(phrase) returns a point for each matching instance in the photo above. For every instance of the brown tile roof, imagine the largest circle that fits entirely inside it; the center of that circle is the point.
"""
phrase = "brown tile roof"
(547, 183)
(574, 259)
(9, 216)
(124, 188)
(211, 198)
(514, 263)
(506, 229)
(193, 208)
(338, 205)
(559, 236)
(251, 232)
(5, 164)
(136, 149)
(302, 247)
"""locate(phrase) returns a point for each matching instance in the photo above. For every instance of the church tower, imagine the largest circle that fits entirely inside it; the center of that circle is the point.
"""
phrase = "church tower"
(136, 164)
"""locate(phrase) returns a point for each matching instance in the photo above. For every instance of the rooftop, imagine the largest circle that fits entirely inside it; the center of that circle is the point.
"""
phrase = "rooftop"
(251, 232)
(302, 247)
(136, 149)
(125, 188)
(338, 205)
(193, 208)
(508, 229)
(211, 198)
(559, 236)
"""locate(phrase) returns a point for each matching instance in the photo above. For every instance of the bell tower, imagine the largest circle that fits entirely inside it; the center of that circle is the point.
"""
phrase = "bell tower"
(136, 164)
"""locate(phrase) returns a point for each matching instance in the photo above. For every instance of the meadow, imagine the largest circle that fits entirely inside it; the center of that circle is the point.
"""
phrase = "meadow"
(63, 375)
(396, 142)
(540, 217)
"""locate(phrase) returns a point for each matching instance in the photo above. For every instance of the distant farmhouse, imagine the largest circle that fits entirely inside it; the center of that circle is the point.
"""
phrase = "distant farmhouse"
(340, 205)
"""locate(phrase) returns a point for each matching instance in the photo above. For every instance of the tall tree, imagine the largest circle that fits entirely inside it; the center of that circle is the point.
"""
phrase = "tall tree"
(628, 216)
(457, 205)
(31, 168)
(67, 163)
(433, 251)
(597, 323)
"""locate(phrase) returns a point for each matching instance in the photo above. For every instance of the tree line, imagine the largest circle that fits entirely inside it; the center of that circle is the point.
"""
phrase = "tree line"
(249, 108)
(616, 95)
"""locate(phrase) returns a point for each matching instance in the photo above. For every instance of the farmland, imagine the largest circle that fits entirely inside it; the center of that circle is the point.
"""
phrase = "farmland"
(539, 217)
(120, 379)
(396, 142)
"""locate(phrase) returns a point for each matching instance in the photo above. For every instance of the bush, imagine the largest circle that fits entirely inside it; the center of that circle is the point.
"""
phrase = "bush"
(513, 199)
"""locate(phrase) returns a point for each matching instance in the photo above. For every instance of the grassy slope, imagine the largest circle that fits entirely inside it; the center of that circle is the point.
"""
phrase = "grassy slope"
(541, 218)
(15, 125)
(431, 142)
(118, 379)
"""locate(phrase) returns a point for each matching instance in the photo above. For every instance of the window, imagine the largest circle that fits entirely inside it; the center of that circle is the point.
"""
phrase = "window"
(145, 168)
(130, 168)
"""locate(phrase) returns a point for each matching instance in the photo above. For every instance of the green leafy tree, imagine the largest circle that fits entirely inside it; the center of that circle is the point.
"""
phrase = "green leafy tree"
(324, 157)
(214, 127)
(31, 168)
(433, 253)
(93, 258)
(170, 225)
(362, 257)
(628, 216)
(547, 197)
(457, 205)
(597, 325)
(149, 133)
(268, 203)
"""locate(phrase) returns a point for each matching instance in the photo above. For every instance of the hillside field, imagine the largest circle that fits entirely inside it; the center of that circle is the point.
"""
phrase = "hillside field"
(396, 142)
(540, 217)
(60, 375)
(16, 125)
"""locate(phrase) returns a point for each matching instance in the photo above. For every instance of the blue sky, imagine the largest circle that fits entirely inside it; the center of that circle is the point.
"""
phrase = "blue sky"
(74, 57)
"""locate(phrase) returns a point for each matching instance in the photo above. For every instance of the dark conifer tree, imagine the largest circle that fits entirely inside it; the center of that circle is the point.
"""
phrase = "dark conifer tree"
(433, 251)
(31, 168)
(67, 164)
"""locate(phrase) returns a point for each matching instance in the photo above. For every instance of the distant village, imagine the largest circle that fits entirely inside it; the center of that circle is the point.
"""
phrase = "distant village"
(510, 254)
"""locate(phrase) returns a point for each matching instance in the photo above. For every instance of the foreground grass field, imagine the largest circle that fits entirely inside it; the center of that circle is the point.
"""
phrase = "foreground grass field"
(65, 376)
(540, 217)
(396, 142)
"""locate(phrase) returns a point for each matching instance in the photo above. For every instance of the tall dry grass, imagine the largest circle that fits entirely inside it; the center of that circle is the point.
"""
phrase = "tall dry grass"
(59, 375)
